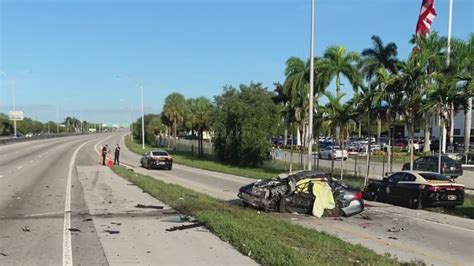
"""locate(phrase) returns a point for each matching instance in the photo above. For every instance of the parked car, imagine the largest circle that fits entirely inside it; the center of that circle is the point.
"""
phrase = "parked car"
(449, 167)
(416, 189)
(157, 159)
(333, 152)
(294, 193)
(401, 144)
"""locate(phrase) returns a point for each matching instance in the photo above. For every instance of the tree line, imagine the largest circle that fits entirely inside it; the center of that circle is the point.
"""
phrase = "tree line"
(32, 126)
(386, 91)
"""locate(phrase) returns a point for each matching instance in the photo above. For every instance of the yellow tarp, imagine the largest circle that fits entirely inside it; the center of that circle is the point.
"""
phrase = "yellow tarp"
(322, 192)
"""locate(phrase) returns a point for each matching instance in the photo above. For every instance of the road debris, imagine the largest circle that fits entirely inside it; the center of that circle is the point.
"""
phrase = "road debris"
(338, 219)
(395, 230)
(112, 232)
(118, 224)
(25, 229)
(182, 219)
(184, 227)
(87, 220)
(149, 206)
(74, 229)
(3, 254)
(365, 217)
(392, 237)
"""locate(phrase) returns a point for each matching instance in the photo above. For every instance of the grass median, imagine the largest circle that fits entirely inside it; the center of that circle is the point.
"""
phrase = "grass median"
(267, 239)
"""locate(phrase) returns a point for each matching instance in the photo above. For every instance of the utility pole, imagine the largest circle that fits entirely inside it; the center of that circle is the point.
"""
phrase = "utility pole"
(57, 119)
(311, 88)
(14, 108)
(143, 121)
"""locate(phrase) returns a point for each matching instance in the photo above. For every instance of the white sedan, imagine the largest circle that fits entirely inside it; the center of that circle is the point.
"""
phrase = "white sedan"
(333, 152)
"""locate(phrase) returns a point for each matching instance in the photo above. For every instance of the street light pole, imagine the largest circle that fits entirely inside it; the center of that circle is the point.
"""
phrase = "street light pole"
(143, 121)
(57, 119)
(311, 87)
(14, 107)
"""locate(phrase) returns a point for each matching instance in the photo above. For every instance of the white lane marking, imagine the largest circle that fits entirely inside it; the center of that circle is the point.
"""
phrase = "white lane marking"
(67, 246)
(428, 221)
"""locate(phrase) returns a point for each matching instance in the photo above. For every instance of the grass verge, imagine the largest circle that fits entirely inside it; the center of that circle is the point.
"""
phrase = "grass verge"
(266, 171)
(268, 240)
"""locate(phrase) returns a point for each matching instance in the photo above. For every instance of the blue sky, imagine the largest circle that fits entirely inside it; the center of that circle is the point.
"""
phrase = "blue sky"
(69, 53)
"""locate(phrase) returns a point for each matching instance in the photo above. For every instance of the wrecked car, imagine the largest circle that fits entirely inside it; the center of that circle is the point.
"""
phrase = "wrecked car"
(308, 192)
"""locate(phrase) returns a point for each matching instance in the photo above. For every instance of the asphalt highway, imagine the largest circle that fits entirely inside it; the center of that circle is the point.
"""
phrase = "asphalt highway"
(58, 206)
(407, 234)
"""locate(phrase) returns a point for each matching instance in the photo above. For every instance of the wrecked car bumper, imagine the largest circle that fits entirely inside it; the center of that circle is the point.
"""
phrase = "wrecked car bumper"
(354, 207)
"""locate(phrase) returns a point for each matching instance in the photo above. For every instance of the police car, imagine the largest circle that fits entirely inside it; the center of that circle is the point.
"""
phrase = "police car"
(416, 189)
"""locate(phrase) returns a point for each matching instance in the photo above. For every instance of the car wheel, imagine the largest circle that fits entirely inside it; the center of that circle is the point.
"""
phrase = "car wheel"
(245, 204)
(170, 167)
(282, 205)
(415, 202)
(148, 166)
(371, 194)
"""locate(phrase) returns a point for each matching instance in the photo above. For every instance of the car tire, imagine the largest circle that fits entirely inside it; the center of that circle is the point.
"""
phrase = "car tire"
(371, 194)
(148, 166)
(414, 202)
(170, 167)
(282, 205)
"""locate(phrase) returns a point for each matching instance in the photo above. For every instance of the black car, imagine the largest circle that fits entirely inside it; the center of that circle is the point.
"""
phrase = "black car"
(293, 193)
(157, 159)
(449, 167)
(416, 189)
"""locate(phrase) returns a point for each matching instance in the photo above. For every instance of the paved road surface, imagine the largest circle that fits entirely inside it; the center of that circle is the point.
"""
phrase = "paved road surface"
(432, 237)
(50, 186)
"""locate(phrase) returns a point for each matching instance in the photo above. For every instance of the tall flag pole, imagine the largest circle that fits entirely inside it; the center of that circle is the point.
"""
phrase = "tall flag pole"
(311, 87)
(450, 23)
(448, 59)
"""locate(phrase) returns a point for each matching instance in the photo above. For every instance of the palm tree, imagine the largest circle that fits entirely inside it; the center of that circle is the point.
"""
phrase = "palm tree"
(296, 89)
(190, 119)
(378, 57)
(363, 104)
(463, 61)
(202, 111)
(339, 115)
(412, 80)
(338, 62)
(432, 46)
(175, 105)
(387, 98)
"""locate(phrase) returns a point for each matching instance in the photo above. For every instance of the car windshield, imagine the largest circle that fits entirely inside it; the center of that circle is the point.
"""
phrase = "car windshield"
(434, 176)
(160, 153)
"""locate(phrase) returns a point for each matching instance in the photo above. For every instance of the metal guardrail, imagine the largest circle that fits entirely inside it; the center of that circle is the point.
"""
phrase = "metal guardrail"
(9, 140)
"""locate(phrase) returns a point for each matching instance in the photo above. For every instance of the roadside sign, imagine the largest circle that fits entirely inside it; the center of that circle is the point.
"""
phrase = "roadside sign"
(16, 115)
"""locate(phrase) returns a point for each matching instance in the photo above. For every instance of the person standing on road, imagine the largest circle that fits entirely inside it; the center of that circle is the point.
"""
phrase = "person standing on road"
(117, 154)
(104, 153)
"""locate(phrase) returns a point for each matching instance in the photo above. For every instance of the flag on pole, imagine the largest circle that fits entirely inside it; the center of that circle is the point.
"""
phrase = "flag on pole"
(427, 15)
